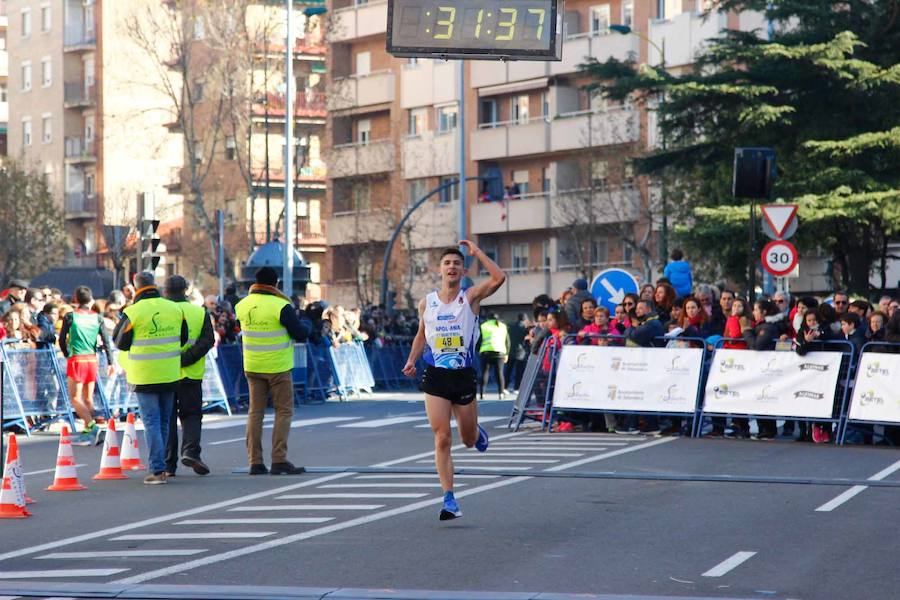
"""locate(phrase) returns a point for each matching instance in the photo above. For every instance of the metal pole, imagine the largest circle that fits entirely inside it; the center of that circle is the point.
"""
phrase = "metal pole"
(664, 246)
(752, 257)
(287, 278)
(461, 123)
(220, 254)
(266, 121)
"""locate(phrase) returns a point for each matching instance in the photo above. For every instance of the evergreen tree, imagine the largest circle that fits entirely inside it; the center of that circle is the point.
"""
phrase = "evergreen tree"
(823, 92)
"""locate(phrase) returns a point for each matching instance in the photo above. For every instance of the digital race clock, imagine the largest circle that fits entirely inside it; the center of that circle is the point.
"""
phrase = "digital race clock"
(486, 29)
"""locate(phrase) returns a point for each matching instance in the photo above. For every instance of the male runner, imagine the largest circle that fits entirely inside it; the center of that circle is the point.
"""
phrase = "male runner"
(448, 324)
(78, 342)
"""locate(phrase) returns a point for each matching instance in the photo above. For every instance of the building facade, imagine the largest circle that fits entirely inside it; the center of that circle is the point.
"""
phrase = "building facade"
(4, 79)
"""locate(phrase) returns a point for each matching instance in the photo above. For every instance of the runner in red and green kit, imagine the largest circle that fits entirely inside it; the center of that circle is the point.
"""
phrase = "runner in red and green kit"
(78, 341)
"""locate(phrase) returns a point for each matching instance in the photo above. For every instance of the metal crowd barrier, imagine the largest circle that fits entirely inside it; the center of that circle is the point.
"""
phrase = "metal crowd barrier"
(34, 389)
(534, 397)
(354, 374)
(873, 389)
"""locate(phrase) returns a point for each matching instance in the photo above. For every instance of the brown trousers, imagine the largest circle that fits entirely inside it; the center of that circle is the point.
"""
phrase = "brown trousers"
(281, 387)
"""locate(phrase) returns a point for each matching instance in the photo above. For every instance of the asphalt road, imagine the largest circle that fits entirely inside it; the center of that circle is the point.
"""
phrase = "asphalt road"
(565, 513)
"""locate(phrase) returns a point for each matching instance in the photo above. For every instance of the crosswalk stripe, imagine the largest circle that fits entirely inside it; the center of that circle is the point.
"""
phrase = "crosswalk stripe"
(215, 535)
(480, 420)
(385, 422)
(499, 460)
(294, 424)
(345, 496)
(123, 553)
(335, 486)
(539, 454)
(541, 444)
(255, 521)
(578, 448)
(38, 575)
(423, 475)
(307, 507)
(480, 468)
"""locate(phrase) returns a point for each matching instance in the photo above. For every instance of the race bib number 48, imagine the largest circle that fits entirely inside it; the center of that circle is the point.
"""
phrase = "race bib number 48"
(449, 343)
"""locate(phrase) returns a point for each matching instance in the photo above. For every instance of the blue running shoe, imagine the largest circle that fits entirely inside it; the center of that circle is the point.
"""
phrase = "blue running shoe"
(450, 510)
(483, 441)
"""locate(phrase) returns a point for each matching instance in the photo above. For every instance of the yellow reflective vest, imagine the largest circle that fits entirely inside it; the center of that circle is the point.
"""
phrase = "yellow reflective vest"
(155, 353)
(267, 346)
(493, 337)
(194, 315)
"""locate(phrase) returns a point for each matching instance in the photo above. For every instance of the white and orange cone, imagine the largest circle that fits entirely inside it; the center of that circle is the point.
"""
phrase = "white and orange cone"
(20, 473)
(12, 496)
(66, 478)
(131, 454)
(111, 464)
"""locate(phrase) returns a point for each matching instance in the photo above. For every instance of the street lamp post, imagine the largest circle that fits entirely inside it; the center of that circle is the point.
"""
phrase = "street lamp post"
(627, 30)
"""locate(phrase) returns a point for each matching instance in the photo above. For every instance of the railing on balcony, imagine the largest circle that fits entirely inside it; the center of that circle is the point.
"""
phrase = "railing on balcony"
(78, 37)
(80, 148)
(76, 93)
(80, 203)
(310, 231)
(307, 103)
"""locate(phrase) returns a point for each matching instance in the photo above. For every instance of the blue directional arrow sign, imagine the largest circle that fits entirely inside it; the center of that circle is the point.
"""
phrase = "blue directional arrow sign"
(610, 286)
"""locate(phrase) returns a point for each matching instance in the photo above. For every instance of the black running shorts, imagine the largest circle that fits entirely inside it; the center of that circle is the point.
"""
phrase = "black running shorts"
(456, 385)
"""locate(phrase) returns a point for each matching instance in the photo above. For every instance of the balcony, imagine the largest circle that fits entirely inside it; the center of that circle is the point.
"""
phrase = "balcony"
(511, 138)
(4, 64)
(355, 91)
(174, 182)
(77, 95)
(77, 39)
(431, 154)
(531, 212)
(80, 150)
(683, 36)
(350, 160)
(428, 82)
(308, 104)
(522, 287)
(311, 233)
(359, 21)
(364, 227)
(575, 50)
(81, 205)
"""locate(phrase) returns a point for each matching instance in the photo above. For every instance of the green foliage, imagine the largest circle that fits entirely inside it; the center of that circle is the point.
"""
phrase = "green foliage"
(823, 92)
(31, 223)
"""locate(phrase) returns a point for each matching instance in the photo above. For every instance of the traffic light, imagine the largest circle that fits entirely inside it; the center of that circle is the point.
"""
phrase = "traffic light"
(149, 244)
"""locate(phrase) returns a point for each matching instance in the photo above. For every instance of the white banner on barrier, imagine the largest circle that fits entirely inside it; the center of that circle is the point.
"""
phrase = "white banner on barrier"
(627, 378)
(875, 396)
(772, 383)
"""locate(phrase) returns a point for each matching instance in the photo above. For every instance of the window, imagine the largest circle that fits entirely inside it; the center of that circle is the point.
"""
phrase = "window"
(45, 18)
(600, 19)
(198, 152)
(26, 22)
(597, 101)
(88, 73)
(545, 180)
(89, 184)
(46, 79)
(490, 250)
(417, 189)
(198, 90)
(89, 19)
(26, 131)
(628, 174)
(3, 93)
(230, 148)
(26, 76)
(628, 13)
(199, 28)
(489, 112)
(364, 63)
(519, 254)
(447, 118)
(518, 109)
(361, 197)
(545, 255)
(450, 194)
(545, 104)
(363, 131)
(46, 134)
(599, 252)
(89, 128)
(627, 253)
(520, 178)
(599, 174)
(417, 124)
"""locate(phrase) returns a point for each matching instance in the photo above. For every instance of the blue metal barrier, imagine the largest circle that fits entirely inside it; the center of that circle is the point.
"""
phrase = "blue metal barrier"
(34, 389)
(859, 424)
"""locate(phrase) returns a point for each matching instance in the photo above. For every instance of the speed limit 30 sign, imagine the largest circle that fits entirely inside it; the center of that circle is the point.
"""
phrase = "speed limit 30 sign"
(779, 258)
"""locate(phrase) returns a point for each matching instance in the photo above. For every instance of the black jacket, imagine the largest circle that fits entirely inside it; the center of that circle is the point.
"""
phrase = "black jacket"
(647, 329)
(204, 343)
(766, 333)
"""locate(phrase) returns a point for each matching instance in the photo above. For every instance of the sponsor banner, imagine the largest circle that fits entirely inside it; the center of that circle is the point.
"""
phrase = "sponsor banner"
(626, 378)
(772, 383)
(875, 396)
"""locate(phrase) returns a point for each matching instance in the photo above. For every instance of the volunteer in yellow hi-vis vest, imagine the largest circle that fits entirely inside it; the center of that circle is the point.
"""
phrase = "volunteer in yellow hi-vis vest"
(493, 351)
(189, 393)
(150, 336)
(269, 328)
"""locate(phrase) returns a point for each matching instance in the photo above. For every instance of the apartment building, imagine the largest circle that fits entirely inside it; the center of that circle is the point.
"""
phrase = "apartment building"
(574, 205)
(82, 112)
(4, 77)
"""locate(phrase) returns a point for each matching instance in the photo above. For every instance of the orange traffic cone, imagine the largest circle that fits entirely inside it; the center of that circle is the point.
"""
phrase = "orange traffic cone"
(131, 454)
(20, 473)
(12, 496)
(110, 464)
(66, 478)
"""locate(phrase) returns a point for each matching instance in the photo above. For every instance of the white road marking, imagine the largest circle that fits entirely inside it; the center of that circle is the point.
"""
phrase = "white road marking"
(514, 454)
(122, 553)
(294, 424)
(44, 471)
(423, 475)
(385, 422)
(399, 461)
(480, 468)
(578, 448)
(255, 521)
(856, 489)
(481, 420)
(576, 436)
(38, 575)
(590, 459)
(544, 443)
(346, 496)
(307, 507)
(216, 535)
(344, 486)
(729, 563)
(457, 459)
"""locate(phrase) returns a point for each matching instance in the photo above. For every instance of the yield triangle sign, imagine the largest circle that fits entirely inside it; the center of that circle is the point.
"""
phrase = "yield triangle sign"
(779, 216)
